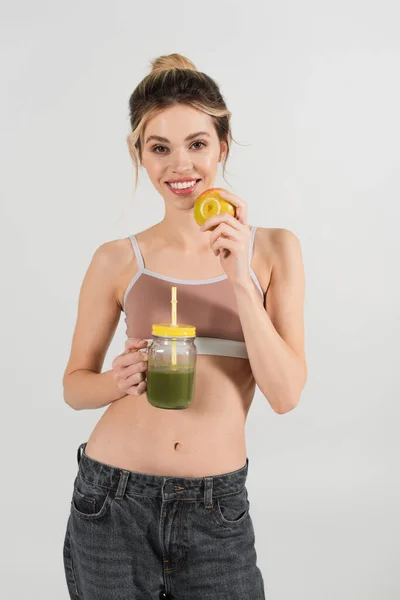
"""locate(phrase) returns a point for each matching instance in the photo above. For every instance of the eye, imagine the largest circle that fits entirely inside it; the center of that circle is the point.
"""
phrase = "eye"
(155, 148)
(202, 144)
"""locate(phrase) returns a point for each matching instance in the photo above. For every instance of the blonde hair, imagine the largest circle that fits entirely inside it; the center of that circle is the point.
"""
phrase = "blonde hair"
(174, 79)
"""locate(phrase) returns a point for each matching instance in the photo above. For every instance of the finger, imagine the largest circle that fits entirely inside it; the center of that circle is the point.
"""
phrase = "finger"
(140, 367)
(219, 219)
(135, 379)
(141, 388)
(232, 198)
(226, 231)
(226, 244)
(137, 390)
(129, 358)
(241, 205)
(135, 343)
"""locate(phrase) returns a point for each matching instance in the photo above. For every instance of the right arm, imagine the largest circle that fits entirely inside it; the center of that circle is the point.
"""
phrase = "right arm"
(85, 386)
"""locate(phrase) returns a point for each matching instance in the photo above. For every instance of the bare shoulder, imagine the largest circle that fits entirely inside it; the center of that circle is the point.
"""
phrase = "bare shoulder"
(273, 242)
(118, 260)
(274, 246)
(115, 251)
(113, 257)
(276, 235)
(98, 309)
(280, 244)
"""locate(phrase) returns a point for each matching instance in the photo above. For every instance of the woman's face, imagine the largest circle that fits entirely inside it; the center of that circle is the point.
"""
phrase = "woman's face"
(177, 156)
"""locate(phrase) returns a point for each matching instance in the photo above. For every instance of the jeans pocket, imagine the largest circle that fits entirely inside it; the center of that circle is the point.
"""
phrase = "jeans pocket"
(89, 501)
(232, 509)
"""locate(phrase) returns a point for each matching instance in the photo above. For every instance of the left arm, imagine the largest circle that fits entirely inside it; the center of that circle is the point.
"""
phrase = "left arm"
(275, 339)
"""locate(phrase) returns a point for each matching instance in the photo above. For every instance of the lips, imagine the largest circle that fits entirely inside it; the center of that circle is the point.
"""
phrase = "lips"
(185, 180)
(184, 191)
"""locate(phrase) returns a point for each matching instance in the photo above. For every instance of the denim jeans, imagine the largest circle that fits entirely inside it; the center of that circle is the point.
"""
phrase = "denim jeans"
(137, 536)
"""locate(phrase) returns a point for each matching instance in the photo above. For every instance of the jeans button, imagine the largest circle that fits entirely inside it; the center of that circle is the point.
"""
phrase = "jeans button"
(169, 488)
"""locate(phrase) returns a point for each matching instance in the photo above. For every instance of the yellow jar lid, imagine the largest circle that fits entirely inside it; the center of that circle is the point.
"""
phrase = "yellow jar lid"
(168, 330)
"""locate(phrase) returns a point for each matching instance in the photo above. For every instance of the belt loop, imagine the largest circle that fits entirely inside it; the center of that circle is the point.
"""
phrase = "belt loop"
(79, 453)
(208, 490)
(123, 480)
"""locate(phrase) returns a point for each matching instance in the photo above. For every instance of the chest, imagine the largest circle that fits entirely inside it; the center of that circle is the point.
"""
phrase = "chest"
(189, 268)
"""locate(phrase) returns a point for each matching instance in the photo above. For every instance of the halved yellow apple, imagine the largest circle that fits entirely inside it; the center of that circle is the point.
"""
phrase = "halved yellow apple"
(210, 203)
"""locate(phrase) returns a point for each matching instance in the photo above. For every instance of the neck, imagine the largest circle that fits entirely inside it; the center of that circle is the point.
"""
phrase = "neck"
(180, 230)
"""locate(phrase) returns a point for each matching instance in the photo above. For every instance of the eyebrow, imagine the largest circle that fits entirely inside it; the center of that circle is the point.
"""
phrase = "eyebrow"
(187, 138)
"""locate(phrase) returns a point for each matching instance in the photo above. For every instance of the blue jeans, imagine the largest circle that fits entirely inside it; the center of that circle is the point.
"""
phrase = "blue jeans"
(140, 536)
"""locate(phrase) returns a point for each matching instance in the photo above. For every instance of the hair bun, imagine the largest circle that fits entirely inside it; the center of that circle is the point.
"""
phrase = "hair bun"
(171, 61)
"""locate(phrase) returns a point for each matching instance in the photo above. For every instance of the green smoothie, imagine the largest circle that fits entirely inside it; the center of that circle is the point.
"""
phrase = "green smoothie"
(167, 388)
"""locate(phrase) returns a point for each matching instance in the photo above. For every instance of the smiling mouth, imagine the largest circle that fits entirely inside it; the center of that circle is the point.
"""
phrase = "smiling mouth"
(183, 189)
(183, 185)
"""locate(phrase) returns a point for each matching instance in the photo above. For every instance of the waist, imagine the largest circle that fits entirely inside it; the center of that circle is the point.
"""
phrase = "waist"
(136, 436)
(177, 488)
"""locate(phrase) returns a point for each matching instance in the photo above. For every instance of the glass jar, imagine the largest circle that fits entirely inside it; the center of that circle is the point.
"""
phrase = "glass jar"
(171, 366)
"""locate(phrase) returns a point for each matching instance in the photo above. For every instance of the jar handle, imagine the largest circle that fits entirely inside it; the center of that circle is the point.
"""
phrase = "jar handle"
(146, 348)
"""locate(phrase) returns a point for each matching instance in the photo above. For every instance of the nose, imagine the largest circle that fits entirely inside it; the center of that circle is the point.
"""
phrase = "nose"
(181, 161)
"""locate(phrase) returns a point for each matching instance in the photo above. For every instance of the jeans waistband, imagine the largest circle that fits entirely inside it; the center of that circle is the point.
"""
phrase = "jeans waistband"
(167, 487)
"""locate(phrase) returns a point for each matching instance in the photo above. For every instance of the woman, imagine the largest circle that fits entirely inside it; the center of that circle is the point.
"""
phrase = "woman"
(160, 505)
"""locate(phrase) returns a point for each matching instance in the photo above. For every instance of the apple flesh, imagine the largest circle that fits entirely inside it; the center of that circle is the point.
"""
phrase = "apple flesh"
(210, 203)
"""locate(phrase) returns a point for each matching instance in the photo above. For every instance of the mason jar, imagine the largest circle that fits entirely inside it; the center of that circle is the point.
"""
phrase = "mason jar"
(171, 366)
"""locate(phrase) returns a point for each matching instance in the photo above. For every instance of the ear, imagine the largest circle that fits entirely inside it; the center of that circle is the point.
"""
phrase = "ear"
(224, 148)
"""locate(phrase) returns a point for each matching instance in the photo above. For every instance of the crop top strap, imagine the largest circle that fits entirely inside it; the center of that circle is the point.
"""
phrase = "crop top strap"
(139, 256)
(137, 252)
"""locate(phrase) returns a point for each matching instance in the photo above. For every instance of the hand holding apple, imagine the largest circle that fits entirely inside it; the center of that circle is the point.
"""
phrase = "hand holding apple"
(210, 203)
(225, 215)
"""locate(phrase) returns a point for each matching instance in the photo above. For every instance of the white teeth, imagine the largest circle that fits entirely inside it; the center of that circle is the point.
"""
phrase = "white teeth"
(182, 186)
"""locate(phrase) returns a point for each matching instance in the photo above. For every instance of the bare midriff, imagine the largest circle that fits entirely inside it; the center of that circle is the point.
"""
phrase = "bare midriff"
(207, 438)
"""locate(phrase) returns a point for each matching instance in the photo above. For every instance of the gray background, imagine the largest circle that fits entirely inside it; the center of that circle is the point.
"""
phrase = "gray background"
(314, 91)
